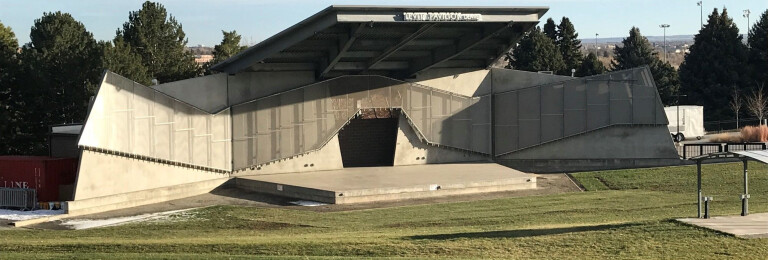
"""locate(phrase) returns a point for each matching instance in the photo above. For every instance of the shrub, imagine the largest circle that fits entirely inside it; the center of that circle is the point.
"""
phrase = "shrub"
(754, 133)
(726, 138)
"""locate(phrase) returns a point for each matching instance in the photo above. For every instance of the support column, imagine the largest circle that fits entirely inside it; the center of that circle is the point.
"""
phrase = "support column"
(745, 196)
(698, 178)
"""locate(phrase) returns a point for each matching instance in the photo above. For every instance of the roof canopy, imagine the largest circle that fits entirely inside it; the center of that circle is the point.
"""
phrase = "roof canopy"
(395, 41)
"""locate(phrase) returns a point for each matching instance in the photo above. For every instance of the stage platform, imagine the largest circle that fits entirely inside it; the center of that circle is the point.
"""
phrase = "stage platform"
(750, 226)
(369, 184)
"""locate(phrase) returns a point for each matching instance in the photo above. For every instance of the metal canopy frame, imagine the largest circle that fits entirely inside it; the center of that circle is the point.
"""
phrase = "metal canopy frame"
(378, 40)
(744, 156)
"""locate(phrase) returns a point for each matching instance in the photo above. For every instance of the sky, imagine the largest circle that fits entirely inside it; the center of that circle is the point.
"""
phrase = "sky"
(256, 20)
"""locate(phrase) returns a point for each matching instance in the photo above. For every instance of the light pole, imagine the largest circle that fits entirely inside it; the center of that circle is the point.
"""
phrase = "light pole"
(665, 26)
(596, 43)
(701, 13)
(746, 14)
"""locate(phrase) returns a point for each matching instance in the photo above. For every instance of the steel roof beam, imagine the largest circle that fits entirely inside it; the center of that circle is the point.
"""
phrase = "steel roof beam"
(403, 42)
(344, 44)
(463, 44)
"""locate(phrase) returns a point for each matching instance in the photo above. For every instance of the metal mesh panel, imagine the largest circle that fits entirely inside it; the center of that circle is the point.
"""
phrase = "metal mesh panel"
(133, 119)
(530, 116)
(304, 119)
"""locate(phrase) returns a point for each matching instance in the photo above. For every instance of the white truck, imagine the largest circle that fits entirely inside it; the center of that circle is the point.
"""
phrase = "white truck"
(691, 122)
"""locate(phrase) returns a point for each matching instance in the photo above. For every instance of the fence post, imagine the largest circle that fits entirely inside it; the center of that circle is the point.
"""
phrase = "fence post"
(685, 154)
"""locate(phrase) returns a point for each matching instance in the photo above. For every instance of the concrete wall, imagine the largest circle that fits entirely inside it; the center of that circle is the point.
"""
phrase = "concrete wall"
(247, 86)
(614, 147)
(208, 93)
(326, 158)
(507, 79)
(127, 117)
(102, 174)
(467, 82)
(410, 150)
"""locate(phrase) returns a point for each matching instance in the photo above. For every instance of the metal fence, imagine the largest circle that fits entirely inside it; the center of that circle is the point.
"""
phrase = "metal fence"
(693, 150)
(727, 125)
(18, 198)
(732, 147)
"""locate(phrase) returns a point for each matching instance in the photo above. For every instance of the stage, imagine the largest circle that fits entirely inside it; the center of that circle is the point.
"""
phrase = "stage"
(370, 184)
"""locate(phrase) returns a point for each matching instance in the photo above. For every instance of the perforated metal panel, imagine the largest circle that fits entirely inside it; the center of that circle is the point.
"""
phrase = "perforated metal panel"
(133, 119)
(531, 116)
(304, 119)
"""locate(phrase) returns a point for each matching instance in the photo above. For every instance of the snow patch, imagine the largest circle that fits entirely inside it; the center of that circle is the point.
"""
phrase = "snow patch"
(18, 215)
(307, 203)
(79, 224)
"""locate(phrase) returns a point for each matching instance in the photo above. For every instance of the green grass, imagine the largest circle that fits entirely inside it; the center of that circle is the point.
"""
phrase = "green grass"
(624, 214)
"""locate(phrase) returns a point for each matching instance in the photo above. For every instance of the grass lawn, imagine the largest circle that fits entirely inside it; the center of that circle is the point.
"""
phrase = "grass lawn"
(624, 214)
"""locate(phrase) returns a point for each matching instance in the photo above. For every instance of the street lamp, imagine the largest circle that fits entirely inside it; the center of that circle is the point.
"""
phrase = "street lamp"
(701, 13)
(746, 14)
(665, 26)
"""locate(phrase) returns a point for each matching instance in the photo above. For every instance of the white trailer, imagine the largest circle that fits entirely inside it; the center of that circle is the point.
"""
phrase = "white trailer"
(691, 122)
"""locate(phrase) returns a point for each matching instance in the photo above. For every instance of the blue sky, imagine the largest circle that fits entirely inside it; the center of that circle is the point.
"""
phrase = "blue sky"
(203, 20)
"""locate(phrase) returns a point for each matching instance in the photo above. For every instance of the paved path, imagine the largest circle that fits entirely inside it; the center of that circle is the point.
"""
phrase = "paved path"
(750, 226)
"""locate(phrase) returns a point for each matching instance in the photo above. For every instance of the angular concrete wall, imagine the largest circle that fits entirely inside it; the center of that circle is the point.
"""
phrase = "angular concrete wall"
(614, 147)
(103, 175)
(132, 119)
(410, 150)
(326, 158)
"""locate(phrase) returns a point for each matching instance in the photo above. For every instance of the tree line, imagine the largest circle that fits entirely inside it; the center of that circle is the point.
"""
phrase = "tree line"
(50, 79)
(719, 71)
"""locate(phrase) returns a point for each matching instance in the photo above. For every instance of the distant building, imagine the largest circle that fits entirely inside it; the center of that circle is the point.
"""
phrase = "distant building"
(202, 59)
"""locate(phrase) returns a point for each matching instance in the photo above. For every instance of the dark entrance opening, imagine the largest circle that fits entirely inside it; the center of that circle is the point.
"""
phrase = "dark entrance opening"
(369, 139)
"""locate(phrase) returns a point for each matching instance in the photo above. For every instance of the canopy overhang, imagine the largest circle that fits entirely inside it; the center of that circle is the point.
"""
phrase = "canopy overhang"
(394, 41)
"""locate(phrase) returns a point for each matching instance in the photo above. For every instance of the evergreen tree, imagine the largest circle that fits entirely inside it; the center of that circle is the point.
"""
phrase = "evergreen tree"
(229, 46)
(8, 64)
(590, 66)
(715, 66)
(535, 52)
(59, 71)
(120, 58)
(636, 51)
(160, 41)
(758, 49)
(550, 29)
(570, 46)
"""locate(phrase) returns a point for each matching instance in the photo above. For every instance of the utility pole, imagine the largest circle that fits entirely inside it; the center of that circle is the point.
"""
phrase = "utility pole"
(665, 26)
(701, 15)
(746, 14)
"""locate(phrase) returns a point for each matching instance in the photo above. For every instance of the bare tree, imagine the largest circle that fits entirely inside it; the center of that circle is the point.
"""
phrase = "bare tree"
(735, 104)
(757, 104)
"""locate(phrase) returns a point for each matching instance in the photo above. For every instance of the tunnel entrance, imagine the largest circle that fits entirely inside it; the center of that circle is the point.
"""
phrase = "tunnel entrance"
(369, 139)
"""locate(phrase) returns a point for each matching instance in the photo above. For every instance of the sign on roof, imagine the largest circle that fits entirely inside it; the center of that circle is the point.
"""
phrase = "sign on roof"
(441, 16)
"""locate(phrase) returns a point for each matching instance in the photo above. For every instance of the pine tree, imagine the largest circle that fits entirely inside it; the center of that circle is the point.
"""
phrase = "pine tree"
(550, 29)
(161, 43)
(590, 66)
(59, 72)
(229, 46)
(715, 66)
(536, 52)
(758, 50)
(570, 46)
(8, 64)
(120, 58)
